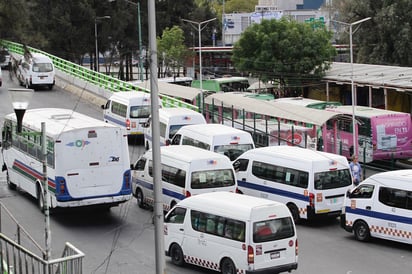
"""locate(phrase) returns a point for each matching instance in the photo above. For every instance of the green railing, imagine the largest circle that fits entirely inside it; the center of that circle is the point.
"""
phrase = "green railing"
(101, 80)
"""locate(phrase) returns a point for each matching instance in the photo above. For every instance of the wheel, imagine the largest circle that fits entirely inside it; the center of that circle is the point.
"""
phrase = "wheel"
(176, 253)
(295, 213)
(361, 231)
(40, 199)
(50, 86)
(227, 267)
(140, 198)
(11, 185)
(147, 145)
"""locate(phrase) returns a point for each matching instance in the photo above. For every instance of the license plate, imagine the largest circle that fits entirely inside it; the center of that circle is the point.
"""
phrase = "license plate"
(42, 77)
(334, 200)
(275, 255)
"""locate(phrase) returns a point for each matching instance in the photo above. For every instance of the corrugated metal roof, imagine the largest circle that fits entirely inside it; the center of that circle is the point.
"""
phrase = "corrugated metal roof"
(377, 76)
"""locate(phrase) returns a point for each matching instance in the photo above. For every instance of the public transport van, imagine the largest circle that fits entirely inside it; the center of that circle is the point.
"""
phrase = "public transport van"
(380, 207)
(84, 168)
(231, 233)
(186, 171)
(129, 109)
(170, 121)
(219, 138)
(36, 71)
(311, 183)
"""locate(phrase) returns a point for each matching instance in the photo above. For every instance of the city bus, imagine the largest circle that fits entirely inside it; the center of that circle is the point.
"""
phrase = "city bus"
(224, 84)
(87, 159)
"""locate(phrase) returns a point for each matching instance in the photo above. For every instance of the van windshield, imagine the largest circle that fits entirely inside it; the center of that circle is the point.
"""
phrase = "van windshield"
(332, 179)
(272, 230)
(234, 150)
(212, 178)
(42, 67)
(140, 111)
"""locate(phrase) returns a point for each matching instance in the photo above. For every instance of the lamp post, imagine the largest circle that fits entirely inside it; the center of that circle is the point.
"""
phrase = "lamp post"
(354, 128)
(98, 18)
(139, 29)
(20, 99)
(199, 28)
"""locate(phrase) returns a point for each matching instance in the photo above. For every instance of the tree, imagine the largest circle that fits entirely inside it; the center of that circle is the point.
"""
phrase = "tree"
(387, 37)
(284, 51)
(171, 49)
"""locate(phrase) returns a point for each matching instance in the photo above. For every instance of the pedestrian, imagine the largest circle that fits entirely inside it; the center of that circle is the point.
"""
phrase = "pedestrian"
(356, 170)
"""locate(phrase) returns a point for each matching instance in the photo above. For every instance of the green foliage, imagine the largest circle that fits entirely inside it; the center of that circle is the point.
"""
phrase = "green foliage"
(284, 50)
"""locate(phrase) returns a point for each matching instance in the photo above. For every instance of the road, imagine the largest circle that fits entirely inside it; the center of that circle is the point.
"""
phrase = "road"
(122, 240)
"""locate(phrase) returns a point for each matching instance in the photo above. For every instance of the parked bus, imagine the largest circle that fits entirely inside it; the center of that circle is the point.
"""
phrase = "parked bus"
(382, 134)
(224, 84)
(310, 103)
(311, 183)
(232, 233)
(186, 171)
(87, 160)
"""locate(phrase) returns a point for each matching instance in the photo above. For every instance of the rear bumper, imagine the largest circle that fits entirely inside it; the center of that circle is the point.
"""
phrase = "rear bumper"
(312, 215)
(275, 269)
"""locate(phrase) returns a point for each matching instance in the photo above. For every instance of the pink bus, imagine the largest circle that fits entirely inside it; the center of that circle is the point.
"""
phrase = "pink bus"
(382, 134)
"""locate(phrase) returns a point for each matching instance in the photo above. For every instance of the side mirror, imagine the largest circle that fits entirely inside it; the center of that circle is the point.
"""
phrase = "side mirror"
(102, 106)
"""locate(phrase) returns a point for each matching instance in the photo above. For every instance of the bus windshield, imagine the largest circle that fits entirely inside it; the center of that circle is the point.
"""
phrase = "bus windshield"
(212, 178)
(332, 179)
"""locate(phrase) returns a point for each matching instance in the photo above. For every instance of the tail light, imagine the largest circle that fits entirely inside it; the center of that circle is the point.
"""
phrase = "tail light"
(296, 248)
(187, 194)
(250, 255)
(167, 142)
(127, 124)
(312, 200)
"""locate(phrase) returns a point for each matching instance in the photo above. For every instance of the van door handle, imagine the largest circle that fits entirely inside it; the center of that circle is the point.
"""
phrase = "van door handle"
(243, 179)
(368, 208)
(181, 229)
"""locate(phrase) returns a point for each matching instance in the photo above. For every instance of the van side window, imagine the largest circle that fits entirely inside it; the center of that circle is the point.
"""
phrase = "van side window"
(119, 109)
(279, 174)
(362, 192)
(396, 197)
(173, 175)
(140, 164)
(218, 225)
(176, 139)
(176, 216)
(240, 165)
(192, 142)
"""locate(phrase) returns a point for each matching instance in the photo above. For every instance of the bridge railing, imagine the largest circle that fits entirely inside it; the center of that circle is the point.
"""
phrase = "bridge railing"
(101, 80)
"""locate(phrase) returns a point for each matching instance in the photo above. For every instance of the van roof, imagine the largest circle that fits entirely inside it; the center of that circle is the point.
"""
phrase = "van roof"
(39, 57)
(233, 205)
(213, 129)
(401, 179)
(190, 153)
(130, 94)
(167, 112)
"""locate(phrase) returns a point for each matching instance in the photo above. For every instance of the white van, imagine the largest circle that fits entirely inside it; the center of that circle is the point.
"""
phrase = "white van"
(219, 138)
(381, 207)
(186, 171)
(311, 183)
(36, 71)
(232, 233)
(129, 109)
(171, 120)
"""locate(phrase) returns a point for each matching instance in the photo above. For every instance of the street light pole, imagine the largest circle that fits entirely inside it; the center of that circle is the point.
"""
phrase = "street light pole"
(199, 27)
(95, 37)
(354, 128)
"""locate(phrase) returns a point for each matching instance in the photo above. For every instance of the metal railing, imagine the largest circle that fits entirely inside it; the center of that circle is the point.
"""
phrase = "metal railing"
(101, 80)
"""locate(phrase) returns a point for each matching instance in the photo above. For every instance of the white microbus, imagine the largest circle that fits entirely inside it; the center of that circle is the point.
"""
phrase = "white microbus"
(219, 138)
(171, 120)
(381, 207)
(311, 183)
(84, 168)
(38, 70)
(129, 109)
(232, 233)
(186, 171)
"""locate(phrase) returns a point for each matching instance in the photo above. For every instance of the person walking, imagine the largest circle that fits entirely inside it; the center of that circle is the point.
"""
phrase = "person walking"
(356, 170)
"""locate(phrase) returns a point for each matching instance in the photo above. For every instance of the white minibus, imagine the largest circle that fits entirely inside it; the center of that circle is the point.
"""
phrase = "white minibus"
(219, 138)
(381, 207)
(311, 183)
(186, 171)
(84, 167)
(232, 233)
(129, 109)
(35, 71)
(170, 121)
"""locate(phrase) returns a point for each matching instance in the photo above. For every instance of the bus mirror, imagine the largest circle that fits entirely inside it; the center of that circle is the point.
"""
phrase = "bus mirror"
(167, 142)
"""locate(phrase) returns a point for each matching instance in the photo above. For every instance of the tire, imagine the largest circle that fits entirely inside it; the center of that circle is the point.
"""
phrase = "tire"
(147, 146)
(176, 254)
(11, 185)
(40, 199)
(295, 212)
(227, 267)
(50, 87)
(140, 198)
(361, 231)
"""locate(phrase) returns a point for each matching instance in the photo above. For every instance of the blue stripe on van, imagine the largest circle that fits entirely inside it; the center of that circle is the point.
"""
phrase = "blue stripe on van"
(379, 215)
(167, 192)
(116, 121)
(275, 191)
